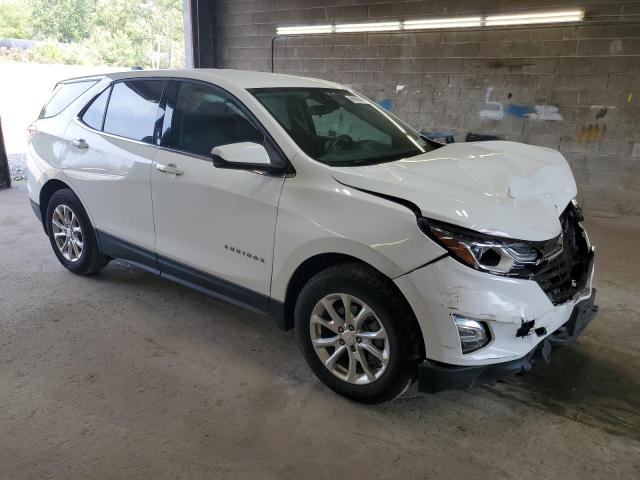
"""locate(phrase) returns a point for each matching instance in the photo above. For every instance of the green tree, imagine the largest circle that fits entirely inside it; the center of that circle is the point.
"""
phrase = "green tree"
(115, 48)
(15, 19)
(63, 20)
(164, 33)
(146, 33)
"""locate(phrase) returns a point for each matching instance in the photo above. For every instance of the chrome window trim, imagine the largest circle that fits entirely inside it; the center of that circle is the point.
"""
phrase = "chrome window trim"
(79, 121)
(158, 147)
(182, 152)
(76, 118)
(93, 130)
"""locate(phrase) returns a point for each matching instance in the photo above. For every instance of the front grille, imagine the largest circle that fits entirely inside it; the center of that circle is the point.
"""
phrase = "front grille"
(566, 271)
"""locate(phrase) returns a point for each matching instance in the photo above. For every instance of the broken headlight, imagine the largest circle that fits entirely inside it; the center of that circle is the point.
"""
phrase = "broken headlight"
(498, 255)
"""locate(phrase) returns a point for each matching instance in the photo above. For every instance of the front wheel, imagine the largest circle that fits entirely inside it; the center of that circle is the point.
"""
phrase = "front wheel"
(357, 334)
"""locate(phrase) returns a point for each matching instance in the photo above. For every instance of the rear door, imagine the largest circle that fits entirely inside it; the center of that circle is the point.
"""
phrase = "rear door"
(214, 227)
(51, 124)
(108, 155)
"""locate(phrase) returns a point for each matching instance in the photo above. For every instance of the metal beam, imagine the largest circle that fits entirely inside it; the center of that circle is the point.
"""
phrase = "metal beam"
(201, 43)
(188, 33)
(5, 177)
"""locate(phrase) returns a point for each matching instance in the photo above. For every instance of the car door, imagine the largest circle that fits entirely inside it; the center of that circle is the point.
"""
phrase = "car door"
(107, 158)
(214, 226)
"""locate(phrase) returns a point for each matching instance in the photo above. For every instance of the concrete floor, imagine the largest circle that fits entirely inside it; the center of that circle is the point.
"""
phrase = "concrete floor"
(124, 375)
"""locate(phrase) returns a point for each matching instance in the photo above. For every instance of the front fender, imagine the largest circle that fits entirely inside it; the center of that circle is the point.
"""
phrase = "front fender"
(324, 216)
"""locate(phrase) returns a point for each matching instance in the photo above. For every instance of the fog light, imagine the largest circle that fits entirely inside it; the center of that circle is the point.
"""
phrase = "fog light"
(473, 334)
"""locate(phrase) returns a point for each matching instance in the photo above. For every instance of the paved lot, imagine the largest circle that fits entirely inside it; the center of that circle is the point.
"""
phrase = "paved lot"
(124, 375)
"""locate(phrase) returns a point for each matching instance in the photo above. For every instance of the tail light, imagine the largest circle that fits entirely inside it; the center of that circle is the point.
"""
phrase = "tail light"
(31, 132)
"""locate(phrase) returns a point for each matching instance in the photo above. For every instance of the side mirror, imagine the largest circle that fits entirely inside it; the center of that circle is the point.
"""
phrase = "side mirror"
(242, 156)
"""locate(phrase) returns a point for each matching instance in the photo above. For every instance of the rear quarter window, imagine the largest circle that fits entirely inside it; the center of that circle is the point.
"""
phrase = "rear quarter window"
(133, 109)
(64, 95)
(93, 115)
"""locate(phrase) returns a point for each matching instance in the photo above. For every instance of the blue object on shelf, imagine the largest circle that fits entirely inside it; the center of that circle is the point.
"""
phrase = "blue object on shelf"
(386, 103)
(439, 136)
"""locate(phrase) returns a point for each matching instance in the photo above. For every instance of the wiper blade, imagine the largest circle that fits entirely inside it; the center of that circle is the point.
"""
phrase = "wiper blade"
(347, 163)
(371, 161)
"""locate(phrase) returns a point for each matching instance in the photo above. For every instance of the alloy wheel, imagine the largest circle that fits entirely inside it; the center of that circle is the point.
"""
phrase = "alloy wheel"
(67, 233)
(349, 339)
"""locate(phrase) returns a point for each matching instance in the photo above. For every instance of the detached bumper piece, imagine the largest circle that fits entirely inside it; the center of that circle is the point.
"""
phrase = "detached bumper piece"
(36, 210)
(434, 377)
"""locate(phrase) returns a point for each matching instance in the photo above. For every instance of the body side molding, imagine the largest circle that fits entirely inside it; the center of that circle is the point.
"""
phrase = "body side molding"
(203, 282)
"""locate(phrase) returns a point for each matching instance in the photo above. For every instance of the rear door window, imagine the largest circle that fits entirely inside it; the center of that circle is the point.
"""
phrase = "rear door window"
(133, 109)
(93, 116)
(64, 95)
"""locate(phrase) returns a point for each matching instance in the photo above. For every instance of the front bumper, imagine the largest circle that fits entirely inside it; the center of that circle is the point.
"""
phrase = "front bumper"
(435, 376)
(447, 287)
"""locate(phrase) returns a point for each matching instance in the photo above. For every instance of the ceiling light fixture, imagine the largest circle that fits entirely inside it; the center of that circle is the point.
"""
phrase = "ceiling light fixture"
(442, 23)
(368, 27)
(533, 18)
(304, 30)
(558, 16)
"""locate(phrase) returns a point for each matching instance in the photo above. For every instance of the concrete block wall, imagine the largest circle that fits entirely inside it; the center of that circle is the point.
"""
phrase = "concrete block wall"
(574, 88)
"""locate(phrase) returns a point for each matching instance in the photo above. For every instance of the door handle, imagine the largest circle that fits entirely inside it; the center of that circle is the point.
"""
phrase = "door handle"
(80, 143)
(171, 168)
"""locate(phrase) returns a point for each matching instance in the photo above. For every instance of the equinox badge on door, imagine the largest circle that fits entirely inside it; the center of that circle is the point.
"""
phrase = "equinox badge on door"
(244, 254)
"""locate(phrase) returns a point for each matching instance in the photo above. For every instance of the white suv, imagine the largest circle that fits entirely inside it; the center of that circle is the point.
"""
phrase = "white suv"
(394, 257)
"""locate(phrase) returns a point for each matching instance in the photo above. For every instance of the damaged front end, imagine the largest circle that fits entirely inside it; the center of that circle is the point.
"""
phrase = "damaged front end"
(563, 269)
(434, 376)
(566, 275)
(561, 266)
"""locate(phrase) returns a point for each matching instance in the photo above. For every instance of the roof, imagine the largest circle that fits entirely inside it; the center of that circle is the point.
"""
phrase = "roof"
(239, 78)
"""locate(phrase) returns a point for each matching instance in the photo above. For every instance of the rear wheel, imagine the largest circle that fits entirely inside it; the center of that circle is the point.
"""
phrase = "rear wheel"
(71, 234)
(357, 333)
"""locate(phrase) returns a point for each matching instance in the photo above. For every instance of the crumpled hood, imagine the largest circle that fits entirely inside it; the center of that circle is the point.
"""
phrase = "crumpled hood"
(501, 188)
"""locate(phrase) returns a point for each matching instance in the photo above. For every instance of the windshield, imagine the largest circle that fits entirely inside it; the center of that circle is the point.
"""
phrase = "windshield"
(338, 128)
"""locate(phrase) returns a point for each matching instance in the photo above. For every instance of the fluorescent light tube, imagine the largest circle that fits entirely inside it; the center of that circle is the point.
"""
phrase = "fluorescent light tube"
(531, 18)
(451, 22)
(367, 27)
(304, 30)
(557, 16)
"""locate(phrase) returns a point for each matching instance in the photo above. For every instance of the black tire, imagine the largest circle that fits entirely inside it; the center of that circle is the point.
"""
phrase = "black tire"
(90, 260)
(379, 294)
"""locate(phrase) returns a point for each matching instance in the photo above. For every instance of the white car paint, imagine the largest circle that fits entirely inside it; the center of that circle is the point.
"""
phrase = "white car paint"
(503, 188)
(210, 198)
(112, 177)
